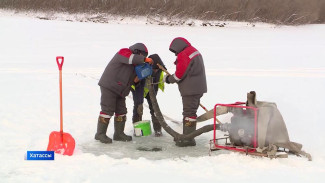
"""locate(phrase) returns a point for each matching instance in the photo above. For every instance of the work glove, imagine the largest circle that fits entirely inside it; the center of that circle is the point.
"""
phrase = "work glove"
(165, 79)
(148, 60)
(136, 79)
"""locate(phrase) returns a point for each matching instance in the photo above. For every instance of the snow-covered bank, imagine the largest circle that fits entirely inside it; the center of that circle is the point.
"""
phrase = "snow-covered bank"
(117, 19)
(284, 65)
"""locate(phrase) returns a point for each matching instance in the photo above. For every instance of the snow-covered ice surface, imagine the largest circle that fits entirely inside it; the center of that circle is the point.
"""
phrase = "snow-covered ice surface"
(284, 65)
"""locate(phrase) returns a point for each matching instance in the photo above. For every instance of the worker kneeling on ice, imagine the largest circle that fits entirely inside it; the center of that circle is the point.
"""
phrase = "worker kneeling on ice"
(191, 80)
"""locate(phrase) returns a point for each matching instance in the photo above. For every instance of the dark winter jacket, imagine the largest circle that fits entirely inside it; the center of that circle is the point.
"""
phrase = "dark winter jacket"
(190, 70)
(156, 75)
(119, 74)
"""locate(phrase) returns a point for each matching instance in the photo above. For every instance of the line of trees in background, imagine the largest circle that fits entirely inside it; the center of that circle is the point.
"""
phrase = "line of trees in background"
(270, 11)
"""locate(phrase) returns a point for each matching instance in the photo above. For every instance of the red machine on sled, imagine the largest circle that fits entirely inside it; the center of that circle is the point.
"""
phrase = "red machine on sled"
(256, 128)
(242, 132)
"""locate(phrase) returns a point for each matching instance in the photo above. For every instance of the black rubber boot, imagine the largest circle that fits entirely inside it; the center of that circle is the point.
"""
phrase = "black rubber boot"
(136, 118)
(137, 113)
(156, 126)
(188, 127)
(119, 124)
(101, 130)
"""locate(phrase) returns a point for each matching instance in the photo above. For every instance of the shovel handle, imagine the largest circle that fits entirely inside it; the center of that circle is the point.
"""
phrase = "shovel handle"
(163, 69)
(60, 64)
(59, 61)
(206, 110)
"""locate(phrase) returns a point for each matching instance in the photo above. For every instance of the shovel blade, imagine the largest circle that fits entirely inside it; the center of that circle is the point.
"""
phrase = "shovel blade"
(61, 143)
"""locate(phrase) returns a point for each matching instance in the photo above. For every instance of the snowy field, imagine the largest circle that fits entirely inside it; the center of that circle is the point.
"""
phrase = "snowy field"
(285, 65)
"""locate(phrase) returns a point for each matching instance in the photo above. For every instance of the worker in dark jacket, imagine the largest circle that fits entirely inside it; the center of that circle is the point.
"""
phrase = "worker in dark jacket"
(115, 85)
(191, 80)
(140, 91)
